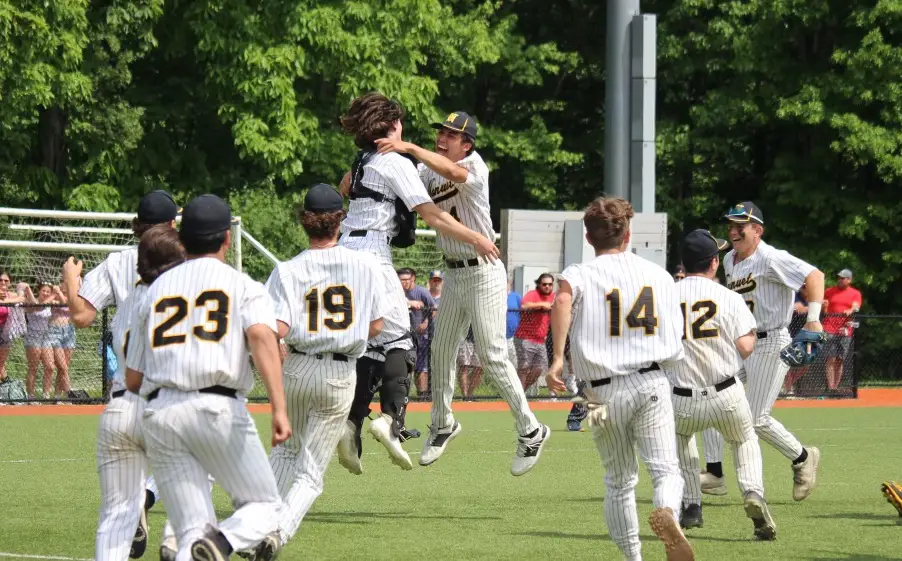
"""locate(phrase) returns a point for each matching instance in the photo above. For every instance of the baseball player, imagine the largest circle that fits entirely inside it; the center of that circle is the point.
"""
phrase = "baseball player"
(106, 285)
(475, 291)
(328, 304)
(626, 333)
(378, 180)
(188, 356)
(718, 333)
(121, 460)
(767, 279)
(893, 493)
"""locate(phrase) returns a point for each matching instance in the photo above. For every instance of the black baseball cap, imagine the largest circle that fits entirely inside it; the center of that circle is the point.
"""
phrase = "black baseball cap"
(323, 198)
(699, 245)
(157, 207)
(460, 122)
(205, 215)
(745, 212)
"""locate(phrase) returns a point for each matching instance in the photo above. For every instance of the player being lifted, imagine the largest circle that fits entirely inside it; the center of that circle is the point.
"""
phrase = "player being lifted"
(328, 304)
(475, 291)
(377, 181)
(767, 279)
(188, 356)
(626, 330)
(719, 331)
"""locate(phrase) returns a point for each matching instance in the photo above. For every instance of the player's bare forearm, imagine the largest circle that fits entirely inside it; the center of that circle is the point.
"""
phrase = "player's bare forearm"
(265, 352)
(438, 163)
(133, 380)
(746, 344)
(448, 226)
(560, 321)
(81, 312)
(376, 327)
(814, 283)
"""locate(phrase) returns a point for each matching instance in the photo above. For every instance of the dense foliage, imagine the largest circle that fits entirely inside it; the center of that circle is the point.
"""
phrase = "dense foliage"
(796, 105)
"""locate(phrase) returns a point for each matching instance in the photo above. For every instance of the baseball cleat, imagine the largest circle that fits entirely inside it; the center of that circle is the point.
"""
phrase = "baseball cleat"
(575, 426)
(437, 442)
(381, 431)
(407, 434)
(349, 451)
(893, 493)
(756, 509)
(529, 450)
(169, 549)
(712, 485)
(267, 550)
(139, 542)
(665, 526)
(212, 547)
(691, 517)
(805, 475)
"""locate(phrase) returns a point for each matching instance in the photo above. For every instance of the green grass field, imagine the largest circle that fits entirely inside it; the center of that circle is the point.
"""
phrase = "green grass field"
(467, 505)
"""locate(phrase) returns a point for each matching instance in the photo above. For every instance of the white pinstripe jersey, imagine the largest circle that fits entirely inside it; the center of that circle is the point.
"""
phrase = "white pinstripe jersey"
(120, 327)
(328, 297)
(626, 316)
(188, 332)
(110, 282)
(768, 281)
(715, 317)
(468, 202)
(394, 176)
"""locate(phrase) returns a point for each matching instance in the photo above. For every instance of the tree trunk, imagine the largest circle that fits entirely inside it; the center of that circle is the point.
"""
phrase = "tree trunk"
(52, 153)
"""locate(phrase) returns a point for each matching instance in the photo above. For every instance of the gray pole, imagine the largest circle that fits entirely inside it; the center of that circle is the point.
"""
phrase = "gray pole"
(617, 97)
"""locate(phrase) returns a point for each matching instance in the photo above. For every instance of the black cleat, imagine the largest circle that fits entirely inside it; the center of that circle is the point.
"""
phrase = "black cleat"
(407, 434)
(691, 517)
(139, 542)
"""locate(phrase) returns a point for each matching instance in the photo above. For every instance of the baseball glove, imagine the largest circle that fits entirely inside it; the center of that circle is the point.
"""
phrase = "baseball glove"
(804, 348)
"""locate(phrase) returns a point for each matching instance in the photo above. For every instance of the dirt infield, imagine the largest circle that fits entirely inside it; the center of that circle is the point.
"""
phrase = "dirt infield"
(876, 397)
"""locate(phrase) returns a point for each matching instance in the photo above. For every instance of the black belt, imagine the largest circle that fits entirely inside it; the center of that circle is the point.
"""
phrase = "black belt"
(357, 233)
(218, 390)
(119, 393)
(337, 357)
(684, 392)
(605, 381)
(461, 264)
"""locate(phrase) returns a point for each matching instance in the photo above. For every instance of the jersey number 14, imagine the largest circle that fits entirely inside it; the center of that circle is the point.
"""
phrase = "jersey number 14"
(641, 315)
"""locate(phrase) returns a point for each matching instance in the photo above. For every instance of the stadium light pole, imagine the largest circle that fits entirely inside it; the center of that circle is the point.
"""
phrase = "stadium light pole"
(617, 96)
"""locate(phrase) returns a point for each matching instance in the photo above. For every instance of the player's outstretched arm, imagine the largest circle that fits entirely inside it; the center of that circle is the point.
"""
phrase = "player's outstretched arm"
(81, 312)
(436, 162)
(375, 327)
(746, 344)
(448, 226)
(265, 352)
(560, 328)
(814, 283)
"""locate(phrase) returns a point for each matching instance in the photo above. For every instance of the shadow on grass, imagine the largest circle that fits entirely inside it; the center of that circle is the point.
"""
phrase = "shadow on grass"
(832, 556)
(600, 500)
(364, 517)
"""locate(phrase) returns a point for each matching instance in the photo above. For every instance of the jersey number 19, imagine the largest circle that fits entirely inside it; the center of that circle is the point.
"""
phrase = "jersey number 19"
(338, 303)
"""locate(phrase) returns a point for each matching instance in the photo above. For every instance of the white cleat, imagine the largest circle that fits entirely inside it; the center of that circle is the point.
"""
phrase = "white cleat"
(169, 549)
(437, 442)
(529, 450)
(805, 475)
(348, 453)
(713, 485)
(381, 431)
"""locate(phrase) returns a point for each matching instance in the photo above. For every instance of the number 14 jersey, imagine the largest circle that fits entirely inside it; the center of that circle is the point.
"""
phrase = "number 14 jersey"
(328, 297)
(189, 331)
(626, 316)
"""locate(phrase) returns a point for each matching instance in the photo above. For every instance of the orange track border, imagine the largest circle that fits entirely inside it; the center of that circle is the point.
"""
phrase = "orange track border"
(872, 397)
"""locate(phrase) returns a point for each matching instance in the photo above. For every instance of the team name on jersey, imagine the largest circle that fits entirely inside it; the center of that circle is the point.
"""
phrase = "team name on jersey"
(744, 285)
(443, 192)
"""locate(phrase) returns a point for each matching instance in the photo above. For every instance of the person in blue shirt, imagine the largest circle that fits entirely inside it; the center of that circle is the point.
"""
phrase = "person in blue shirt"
(513, 321)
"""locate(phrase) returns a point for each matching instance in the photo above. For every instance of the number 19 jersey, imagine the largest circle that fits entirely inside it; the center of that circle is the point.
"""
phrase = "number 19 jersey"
(626, 316)
(328, 297)
(189, 331)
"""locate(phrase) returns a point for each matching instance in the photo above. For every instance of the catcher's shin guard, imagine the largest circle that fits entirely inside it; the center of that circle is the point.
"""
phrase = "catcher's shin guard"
(368, 373)
(395, 387)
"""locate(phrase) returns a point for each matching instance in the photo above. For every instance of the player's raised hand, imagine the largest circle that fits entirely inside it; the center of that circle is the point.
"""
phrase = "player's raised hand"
(487, 249)
(281, 428)
(553, 377)
(386, 145)
(72, 267)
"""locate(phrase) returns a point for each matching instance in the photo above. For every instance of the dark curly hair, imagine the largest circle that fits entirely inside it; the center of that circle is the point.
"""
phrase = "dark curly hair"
(321, 225)
(369, 117)
(159, 250)
(607, 221)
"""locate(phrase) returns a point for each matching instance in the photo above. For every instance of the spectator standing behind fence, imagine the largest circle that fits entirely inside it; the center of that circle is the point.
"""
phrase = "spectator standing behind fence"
(61, 337)
(7, 320)
(37, 344)
(530, 335)
(840, 302)
(469, 368)
(422, 306)
(513, 320)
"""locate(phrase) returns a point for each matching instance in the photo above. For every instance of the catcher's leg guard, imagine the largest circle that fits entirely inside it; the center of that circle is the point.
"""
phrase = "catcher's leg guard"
(395, 387)
(368, 375)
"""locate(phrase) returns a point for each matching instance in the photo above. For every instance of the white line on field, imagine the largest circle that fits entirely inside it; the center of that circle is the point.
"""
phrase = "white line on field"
(48, 557)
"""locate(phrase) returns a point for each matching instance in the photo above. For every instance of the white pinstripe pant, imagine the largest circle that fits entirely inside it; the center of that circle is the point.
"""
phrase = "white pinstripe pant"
(319, 393)
(764, 374)
(190, 435)
(640, 418)
(728, 412)
(475, 296)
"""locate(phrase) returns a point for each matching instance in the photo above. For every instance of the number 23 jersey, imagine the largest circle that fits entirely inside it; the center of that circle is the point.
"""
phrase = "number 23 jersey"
(189, 331)
(626, 316)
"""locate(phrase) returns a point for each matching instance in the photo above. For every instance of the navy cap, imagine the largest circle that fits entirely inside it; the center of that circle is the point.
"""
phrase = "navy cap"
(323, 198)
(699, 245)
(436, 275)
(745, 212)
(157, 207)
(460, 122)
(205, 215)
